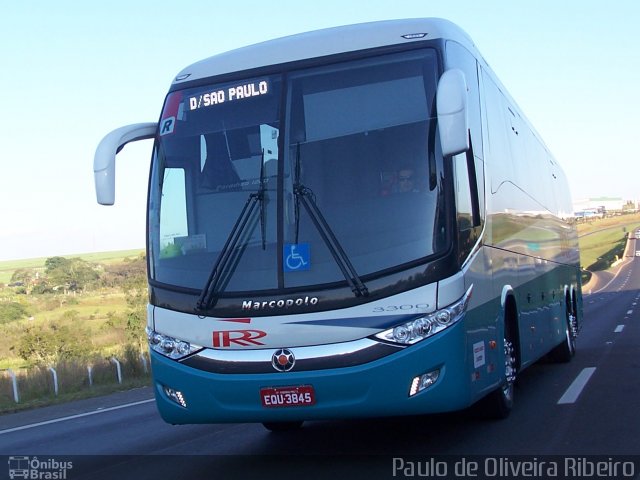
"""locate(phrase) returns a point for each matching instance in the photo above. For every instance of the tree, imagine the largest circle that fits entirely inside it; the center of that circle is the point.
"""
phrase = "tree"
(126, 273)
(24, 276)
(55, 263)
(135, 288)
(131, 277)
(47, 344)
(12, 311)
(70, 273)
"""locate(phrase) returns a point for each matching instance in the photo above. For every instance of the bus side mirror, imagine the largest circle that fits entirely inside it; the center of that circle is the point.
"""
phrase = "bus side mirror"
(451, 104)
(104, 161)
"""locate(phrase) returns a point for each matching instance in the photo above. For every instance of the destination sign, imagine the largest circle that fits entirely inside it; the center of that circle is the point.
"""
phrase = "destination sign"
(229, 94)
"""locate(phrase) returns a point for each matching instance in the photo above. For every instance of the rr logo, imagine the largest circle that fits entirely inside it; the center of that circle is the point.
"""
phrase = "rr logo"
(244, 338)
(167, 125)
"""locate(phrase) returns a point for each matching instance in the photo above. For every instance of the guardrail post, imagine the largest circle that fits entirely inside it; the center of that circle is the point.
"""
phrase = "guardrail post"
(90, 373)
(55, 380)
(118, 368)
(14, 382)
(144, 363)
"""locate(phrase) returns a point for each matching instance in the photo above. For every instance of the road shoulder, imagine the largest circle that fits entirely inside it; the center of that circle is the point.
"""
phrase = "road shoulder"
(76, 407)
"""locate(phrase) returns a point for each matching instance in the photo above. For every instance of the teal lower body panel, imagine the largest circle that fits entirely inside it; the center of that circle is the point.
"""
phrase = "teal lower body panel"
(376, 389)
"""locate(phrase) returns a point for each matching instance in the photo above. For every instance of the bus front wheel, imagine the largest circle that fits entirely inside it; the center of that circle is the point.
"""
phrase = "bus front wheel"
(499, 403)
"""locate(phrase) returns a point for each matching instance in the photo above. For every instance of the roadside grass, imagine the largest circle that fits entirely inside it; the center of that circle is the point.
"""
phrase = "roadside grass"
(599, 250)
(36, 384)
(602, 240)
(630, 222)
(7, 405)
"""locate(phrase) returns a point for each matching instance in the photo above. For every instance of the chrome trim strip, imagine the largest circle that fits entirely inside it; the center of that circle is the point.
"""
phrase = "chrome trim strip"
(317, 357)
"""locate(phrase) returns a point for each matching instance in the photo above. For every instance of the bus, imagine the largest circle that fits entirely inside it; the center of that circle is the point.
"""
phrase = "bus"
(351, 222)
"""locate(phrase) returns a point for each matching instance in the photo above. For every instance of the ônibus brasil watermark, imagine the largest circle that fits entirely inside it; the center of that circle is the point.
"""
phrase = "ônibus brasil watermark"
(37, 468)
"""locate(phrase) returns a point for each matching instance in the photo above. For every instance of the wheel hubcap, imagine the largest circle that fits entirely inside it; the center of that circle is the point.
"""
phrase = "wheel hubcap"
(509, 368)
(572, 331)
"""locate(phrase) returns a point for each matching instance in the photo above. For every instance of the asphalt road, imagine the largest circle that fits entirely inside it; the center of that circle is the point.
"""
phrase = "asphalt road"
(586, 407)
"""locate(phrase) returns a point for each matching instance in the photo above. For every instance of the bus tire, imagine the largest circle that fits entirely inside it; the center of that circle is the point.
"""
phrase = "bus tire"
(564, 352)
(282, 426)
(499, 403)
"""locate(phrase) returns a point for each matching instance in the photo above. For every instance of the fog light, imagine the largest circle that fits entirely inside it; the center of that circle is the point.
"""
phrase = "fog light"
(175, 395)
(423, 381)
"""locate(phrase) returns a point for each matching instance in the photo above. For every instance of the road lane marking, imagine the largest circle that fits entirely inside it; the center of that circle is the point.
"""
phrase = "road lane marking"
(610, 281)
(71, 417)
(619, 328)
(629, 312)
(575, 389)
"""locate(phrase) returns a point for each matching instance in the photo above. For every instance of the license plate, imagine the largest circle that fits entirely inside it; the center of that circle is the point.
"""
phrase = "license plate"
(299, 396)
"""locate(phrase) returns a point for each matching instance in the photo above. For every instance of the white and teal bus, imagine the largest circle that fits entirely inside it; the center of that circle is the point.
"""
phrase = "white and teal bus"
(351, 222)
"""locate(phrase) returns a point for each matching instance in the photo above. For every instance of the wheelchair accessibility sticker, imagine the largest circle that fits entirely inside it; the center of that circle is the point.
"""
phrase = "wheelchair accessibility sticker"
(296, 257)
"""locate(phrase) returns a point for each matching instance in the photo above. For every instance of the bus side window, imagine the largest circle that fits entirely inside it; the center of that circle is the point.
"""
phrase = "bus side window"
(464, 202)
(173, 212)
(467, 205)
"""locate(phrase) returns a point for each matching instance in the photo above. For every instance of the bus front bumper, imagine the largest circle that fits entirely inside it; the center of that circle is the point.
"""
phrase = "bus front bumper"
(382, 387)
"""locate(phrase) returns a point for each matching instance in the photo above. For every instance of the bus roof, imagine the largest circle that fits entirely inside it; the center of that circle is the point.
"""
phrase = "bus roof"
(325, 42)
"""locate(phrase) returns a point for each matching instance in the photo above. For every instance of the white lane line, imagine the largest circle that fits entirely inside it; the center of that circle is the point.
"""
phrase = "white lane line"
(619, 328)
(71, 417)
(629, 312)
(574, 390)
(610, 282)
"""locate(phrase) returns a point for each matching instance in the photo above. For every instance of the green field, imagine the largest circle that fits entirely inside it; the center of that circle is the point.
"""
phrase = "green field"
(602, 241)
(75, 312)
(97, 311)
(7, 267)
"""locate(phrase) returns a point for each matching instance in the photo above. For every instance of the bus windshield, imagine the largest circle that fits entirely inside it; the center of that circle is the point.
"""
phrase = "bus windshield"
(340, 163)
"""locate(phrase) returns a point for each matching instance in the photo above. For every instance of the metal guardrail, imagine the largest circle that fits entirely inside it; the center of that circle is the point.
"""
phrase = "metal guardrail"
(119, 376)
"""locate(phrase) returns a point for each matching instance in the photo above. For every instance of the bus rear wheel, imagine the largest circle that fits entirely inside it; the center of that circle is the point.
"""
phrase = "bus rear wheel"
(564, 352)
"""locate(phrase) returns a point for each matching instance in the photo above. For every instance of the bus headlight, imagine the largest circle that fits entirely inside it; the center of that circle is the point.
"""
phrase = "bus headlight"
(170, 347)
(426, 326)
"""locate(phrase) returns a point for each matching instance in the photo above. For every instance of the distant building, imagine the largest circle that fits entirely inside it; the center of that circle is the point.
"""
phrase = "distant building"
(602, 206)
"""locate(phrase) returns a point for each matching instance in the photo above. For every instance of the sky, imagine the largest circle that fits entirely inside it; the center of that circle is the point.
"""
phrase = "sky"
(72, 71)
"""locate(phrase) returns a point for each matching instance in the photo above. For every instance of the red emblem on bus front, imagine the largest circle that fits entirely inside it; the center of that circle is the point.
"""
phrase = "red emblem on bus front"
(243, 338)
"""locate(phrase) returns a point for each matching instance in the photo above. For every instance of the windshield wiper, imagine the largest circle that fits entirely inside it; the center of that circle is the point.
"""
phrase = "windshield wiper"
(306, 196)
(209, 296)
